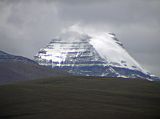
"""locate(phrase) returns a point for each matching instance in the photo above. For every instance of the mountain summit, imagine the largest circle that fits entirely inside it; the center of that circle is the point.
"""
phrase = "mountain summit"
(90, 54)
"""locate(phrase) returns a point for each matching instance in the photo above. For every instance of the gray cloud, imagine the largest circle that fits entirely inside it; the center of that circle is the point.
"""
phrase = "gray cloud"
(27, 25)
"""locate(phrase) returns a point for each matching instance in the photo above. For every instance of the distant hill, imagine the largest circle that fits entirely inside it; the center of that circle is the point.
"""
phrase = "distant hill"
(5, 57)
(17, 68)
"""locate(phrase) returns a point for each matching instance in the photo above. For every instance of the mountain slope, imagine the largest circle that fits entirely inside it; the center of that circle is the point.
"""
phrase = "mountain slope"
(17, 68)
(5, 57)
(90, 54)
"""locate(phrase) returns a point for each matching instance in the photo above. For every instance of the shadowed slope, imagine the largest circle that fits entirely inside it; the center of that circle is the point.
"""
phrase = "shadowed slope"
(17, 68)
(19, 71)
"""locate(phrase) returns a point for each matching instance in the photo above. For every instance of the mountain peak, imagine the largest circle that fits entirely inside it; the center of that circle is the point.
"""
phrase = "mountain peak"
(89, 53)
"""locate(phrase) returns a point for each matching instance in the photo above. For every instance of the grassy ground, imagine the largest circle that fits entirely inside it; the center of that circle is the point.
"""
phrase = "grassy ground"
(80, 98)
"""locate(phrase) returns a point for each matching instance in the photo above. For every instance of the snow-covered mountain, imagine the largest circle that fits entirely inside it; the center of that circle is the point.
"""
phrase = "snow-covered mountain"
(90, 54)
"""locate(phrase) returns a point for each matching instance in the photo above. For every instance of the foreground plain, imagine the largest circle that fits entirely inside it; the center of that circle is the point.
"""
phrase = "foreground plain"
(80, 98)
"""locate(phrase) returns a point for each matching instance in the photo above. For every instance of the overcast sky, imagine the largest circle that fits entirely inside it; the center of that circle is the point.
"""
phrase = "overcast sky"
(28, 25)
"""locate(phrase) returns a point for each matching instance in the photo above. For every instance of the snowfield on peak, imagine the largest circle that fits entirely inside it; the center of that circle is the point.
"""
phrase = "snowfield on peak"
(108, 47)
(113, 51)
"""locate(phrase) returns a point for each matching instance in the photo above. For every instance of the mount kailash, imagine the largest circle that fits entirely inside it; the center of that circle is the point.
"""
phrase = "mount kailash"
(90, 54)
